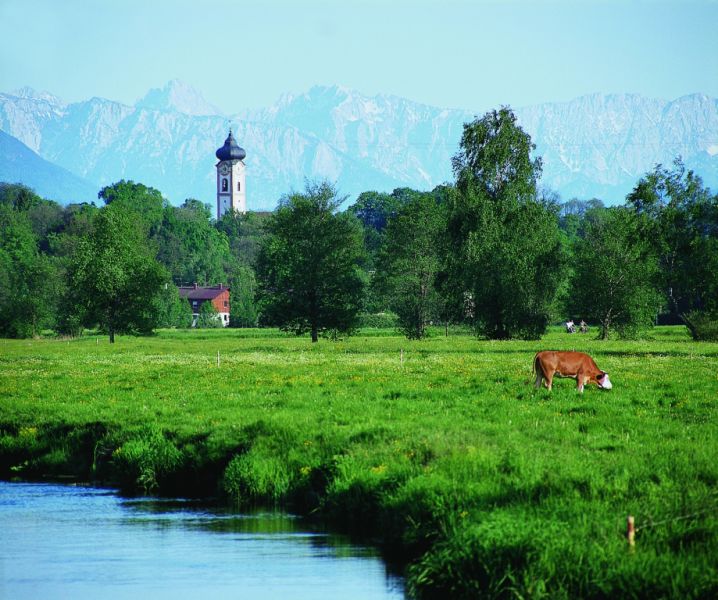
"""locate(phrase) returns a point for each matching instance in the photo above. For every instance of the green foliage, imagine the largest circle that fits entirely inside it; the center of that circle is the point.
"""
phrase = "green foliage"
(308, 266)
(408, 263)
(145, 459)
(145, 202)
(504, 252)
(256, 477)
(191, 249)
(702, 325)
(495, 159)
(244, 233)
(114, 278)
(378, 320)
(172, 311)
(374, 209)
(208, 317)
(679, 220)
(614, 274)
(243, 286)
(29, 280)
(18, 197)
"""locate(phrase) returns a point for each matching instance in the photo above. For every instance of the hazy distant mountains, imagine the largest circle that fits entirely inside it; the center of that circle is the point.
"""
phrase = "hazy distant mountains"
(594, 146)
(19, 164)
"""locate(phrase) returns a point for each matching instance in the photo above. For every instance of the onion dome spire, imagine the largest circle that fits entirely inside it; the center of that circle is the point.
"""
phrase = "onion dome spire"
(231, 150)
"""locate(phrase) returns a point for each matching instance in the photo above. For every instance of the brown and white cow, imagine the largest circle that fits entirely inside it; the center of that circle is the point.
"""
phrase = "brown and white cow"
(577, 365)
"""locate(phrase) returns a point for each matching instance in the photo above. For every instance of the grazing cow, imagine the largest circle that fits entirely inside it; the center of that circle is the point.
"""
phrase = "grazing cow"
(578, 365)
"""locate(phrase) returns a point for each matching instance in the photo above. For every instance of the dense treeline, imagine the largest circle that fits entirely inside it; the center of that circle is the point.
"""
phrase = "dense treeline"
(491, 250)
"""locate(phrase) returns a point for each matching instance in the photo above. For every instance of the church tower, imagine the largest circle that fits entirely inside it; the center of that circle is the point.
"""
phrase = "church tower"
(231, 194)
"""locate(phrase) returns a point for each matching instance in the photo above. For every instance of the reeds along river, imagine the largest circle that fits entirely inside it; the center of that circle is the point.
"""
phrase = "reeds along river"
(77, 542)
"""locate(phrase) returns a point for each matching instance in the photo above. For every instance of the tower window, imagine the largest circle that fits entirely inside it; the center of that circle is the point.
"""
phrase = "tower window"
(224, 185)
(239, 187)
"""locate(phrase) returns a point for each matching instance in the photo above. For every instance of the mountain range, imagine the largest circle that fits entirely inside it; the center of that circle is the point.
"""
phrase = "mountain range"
(593, 146)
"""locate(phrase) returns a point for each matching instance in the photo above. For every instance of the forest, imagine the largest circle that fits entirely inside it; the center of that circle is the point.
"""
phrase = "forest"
(492, 250)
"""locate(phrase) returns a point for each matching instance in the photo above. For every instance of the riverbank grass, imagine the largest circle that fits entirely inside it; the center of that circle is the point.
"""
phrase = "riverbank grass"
(440, 450)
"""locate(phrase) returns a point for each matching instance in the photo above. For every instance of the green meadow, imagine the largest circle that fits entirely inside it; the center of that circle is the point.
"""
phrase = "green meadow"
(439, 451)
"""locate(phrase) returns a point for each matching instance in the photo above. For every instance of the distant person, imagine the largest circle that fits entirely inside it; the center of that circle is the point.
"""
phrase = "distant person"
(570, 326)
(583, 327)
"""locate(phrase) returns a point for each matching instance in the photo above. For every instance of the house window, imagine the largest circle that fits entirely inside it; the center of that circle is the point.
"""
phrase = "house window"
(226, 317)
(226, 304)
(224, 185)
(194, 303)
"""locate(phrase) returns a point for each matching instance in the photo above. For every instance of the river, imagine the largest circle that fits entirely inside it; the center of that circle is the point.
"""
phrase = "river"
(60, 541)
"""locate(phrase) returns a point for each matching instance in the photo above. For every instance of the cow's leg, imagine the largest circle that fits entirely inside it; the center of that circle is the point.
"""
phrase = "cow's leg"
(580, 382)
(549, 380)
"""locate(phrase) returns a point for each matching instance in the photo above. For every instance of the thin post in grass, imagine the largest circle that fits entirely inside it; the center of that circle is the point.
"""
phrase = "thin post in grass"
(218, 359)
(631, 532)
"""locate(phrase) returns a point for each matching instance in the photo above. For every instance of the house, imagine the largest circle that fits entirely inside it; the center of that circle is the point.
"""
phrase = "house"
(197, 295)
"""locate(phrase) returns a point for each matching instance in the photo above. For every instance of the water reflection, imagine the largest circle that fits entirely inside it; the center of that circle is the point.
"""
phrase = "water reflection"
(74, 542)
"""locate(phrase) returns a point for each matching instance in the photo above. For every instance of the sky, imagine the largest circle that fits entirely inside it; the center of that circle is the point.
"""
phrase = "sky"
(473, 55)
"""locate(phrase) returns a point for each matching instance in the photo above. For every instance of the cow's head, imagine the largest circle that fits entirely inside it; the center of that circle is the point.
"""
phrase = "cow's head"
(603, 381)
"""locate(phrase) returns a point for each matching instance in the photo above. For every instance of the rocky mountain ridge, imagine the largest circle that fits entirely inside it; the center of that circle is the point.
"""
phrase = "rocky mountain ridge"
(593, 146)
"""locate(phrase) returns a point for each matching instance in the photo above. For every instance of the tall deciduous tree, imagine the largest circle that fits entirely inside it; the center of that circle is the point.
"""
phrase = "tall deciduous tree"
(504, 251)
(679, 220)
(408, 263)
(114, 277)
(243, 286)
(614, 277)
(146, 202)
(308, 266)
(29, 281)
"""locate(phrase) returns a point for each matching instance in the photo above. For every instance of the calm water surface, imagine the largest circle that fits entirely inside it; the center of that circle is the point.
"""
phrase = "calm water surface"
(78, 543)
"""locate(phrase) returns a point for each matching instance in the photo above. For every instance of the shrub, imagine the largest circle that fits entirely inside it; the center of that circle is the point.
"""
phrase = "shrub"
(383, 320)
(208, 317)
(702, 325)
(254, 477)
(142, 461)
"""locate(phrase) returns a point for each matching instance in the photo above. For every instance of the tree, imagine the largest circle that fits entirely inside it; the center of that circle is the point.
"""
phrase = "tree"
(504, 253)
(408, 263)
(243, 285)
(208, 317)
(146, 202)
(374, 209)
(190, 247)
(18, 197)
(495, 159)
(29, 279)
(114, 277)
(308, 266)
(614, 276)
(678, 218)
(244, 233)
(172, 310)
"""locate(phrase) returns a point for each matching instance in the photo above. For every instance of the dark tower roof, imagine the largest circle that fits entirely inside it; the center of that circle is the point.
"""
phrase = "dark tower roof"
(231, 150)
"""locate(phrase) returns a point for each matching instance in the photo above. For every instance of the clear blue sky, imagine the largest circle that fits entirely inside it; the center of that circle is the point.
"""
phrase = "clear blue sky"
(451, 53)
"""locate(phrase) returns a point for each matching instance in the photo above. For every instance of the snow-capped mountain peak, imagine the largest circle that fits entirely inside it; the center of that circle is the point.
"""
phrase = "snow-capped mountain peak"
(178, 96)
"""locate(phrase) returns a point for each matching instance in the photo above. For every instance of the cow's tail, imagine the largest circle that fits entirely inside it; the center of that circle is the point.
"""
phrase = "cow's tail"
(536, 368)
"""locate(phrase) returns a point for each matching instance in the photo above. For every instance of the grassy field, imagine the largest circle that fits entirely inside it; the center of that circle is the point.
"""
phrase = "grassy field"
(449, 459)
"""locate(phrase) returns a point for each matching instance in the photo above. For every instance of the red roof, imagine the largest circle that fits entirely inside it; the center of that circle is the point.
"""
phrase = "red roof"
(196, 292)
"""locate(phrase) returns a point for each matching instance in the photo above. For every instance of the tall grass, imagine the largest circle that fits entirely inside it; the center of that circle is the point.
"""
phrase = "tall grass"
(449, 459)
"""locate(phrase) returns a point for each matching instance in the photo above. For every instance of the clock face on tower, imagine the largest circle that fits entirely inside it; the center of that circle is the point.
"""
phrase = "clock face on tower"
(224, 169)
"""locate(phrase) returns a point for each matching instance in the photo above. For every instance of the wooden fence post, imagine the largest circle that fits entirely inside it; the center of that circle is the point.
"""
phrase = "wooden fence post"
(631, 532)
